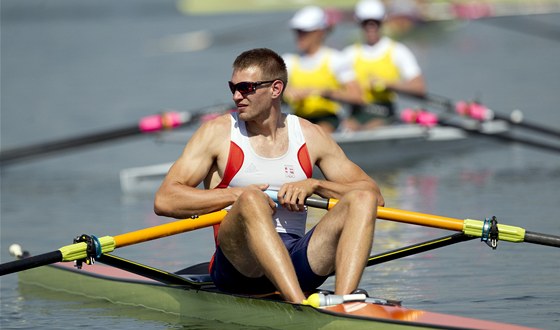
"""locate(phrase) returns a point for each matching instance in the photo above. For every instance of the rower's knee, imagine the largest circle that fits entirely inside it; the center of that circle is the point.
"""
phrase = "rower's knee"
(253, 200)
(252, 196)
(361, 199)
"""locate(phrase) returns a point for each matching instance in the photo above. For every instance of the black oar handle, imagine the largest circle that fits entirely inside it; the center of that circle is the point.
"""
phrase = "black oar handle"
(30, 262)
(542, 239)
(441, 101)
(320, 203)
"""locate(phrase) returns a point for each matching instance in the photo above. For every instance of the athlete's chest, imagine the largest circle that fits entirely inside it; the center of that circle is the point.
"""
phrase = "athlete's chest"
(267, 147)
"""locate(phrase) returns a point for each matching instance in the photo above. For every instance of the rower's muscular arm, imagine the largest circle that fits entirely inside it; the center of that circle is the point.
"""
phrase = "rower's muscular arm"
(341, 174)
(178, 195)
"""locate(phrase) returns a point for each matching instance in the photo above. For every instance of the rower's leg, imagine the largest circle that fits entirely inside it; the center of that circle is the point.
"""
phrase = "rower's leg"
(342, 240)
(250, 242)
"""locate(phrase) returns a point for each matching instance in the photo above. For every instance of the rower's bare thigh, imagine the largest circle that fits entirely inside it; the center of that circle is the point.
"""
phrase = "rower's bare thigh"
(354, 206)
(232, 236)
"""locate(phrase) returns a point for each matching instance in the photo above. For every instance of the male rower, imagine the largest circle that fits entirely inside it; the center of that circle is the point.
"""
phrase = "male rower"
(262, 247)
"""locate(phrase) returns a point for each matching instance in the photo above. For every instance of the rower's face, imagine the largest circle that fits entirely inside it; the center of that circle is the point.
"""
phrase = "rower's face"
(371, 30)
(308, 40)
(252, 104)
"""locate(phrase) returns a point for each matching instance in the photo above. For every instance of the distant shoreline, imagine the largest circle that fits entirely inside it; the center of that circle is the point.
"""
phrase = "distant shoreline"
(420, 10)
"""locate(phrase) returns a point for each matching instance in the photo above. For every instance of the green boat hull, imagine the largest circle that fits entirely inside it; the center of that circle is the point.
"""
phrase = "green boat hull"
(188, 302)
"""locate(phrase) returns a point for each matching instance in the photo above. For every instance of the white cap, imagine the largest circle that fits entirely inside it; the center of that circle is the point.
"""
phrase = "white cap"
(370, 9)
(310, 18)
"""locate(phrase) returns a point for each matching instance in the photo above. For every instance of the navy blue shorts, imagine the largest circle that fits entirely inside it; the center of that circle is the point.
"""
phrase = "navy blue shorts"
(228, 279)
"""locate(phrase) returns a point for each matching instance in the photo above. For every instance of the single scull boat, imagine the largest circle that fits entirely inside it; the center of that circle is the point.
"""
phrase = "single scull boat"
(188, 296)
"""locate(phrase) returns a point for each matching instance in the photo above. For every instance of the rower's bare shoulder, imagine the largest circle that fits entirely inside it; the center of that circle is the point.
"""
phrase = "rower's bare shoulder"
(218, 125)
(212, 130)
(210, 134)
(312, 131)
(315, 136)
(209, 141)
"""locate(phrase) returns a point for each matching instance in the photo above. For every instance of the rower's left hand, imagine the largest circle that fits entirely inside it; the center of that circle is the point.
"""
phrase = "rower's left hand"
(292, 195)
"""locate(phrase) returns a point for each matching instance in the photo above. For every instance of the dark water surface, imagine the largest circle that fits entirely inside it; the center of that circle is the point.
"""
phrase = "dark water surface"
(75, 67)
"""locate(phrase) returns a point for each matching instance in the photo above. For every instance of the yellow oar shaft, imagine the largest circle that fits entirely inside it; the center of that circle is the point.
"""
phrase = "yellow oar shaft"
(416, 218)
(169, 229)
(435, 221)
(467, 226)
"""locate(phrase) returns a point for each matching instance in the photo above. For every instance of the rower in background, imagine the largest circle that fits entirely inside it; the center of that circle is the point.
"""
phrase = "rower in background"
(382, 66)
(319, 78)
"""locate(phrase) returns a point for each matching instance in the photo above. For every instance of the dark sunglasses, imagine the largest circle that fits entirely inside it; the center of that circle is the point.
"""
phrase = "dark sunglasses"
(246, 87)
(301, 32)
(370, 22)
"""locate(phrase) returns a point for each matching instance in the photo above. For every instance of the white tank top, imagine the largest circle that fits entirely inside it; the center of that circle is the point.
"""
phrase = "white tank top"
(244, 167)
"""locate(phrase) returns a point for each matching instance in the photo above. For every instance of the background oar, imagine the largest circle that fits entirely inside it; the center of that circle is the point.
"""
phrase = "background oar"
(106, 244)
(426, 118)
(469, 227)
(149, 124)
(480, 112)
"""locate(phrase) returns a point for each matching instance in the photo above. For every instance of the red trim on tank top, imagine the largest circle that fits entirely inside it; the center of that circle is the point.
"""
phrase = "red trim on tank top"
(305, 160)
(233, 165)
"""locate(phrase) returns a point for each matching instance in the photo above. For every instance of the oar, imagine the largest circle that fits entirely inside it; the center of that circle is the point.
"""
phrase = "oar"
(429, 119)
(480, 112)
(149, 124)
(417, 248)
(97, 246)
(486, 229)
(483, 113)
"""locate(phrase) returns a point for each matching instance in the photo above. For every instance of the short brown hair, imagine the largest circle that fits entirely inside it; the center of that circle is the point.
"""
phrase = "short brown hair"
(269, 62)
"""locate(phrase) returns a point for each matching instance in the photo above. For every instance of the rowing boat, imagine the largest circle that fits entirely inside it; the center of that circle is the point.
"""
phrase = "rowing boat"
(375, 149)
(192, 295)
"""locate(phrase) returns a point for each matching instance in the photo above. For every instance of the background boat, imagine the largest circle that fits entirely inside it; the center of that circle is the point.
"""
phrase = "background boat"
(376, 149)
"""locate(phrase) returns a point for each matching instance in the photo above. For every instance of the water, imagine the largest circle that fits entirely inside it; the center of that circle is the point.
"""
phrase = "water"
(70, 68)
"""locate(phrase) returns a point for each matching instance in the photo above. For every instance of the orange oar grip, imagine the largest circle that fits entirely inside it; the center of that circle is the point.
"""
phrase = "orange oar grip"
(429, 220)
(169, 229)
